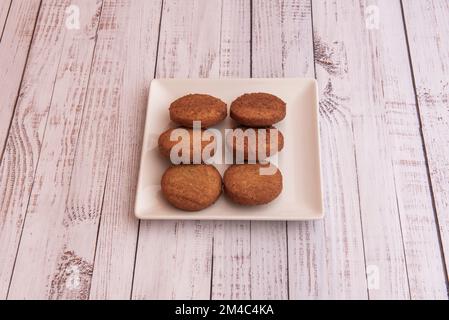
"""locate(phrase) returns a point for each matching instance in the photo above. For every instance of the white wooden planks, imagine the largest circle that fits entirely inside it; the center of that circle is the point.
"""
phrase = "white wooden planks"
(347, 80)
(425, 270)
(14, 47)
(50, 261)
(427, 26)
(24, 142)
(368, 71)
(326, 258)
(138, 23)
(4, 10)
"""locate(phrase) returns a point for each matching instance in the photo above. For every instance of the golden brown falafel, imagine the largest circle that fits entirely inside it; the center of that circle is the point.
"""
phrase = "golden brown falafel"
(245, 185)
(198, 107)
(258, 109)
(191, 187)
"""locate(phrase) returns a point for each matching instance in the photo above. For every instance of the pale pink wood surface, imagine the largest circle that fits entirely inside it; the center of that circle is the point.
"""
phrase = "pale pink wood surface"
(15, 42)
(14, 47)
(72, 111)
(429, 53)
(4, 11)
(51, 236)
(24, 140)
(135, 63)
(361, 105)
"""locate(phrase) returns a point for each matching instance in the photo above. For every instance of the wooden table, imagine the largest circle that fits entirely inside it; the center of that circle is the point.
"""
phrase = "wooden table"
(73, 99)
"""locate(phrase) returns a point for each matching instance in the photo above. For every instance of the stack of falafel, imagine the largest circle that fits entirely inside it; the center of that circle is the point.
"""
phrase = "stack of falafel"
(194, 186)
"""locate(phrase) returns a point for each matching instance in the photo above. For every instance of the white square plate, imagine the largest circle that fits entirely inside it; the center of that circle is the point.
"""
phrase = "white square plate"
(299, 161)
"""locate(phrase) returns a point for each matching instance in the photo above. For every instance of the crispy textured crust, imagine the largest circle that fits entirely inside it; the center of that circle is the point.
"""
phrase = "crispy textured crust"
(258, 109)
(166, 144)
(241, 143)
(198, 107)
(244, 184)
(191, 187)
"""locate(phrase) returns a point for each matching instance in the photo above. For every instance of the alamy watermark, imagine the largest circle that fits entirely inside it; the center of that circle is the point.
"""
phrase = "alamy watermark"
(249, 145)
(372, 17)
(373, 277)
(72, 21)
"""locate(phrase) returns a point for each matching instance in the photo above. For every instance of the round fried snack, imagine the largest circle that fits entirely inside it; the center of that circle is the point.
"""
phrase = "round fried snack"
(166, 144)
(246, 142)
(245, 185)
(258, 109)
(191, 187)
(198, 107)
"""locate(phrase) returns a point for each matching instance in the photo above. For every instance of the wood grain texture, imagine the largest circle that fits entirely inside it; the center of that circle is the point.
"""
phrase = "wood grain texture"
(138, 23)
(174, 259)
(14, 48)
(4, 10)
(231, 274)
(24, 141)
(427, 24)
(386, 220)
(425, 269)
(343, 65)
(50, 262)
(316, 267)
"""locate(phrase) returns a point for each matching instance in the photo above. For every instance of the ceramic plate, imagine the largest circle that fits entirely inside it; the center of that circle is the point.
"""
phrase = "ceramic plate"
(299, 161)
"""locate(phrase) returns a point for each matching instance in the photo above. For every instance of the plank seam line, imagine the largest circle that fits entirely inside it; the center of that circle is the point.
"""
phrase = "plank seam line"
(21, 81)
(426, 157)
(135, 261)
(154, 76)
(315, 76)
(288, 269)
(36, 167)
(251, 13)
(158, 40)
(6, 20)
(360, 209)
(98, 229)
(251, 39)
(212, 263)
(313, 40)
(250, 265)
(402, 234)
(221, 39)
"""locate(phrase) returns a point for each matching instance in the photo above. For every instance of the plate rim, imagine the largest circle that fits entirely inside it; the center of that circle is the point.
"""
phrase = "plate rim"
(186, 217)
